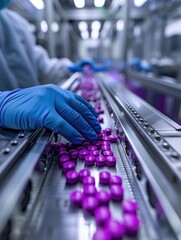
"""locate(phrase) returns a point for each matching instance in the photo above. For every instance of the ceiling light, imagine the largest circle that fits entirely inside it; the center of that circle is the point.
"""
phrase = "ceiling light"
(85, 35)
(120, 25)
(38, 4)
(99, 3)
(96, 25)
(55, 27)
(44, 26)
(139, 3)
(94, 35)
(79, 3)
(82, 26)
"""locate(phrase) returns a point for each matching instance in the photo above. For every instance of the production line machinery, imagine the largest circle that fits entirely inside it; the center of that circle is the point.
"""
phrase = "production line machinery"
(35, 198)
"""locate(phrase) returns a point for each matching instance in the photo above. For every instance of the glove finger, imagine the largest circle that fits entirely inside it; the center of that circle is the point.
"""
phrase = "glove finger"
(82, 100)
(78, 122)
(57, 124)
(86, 113)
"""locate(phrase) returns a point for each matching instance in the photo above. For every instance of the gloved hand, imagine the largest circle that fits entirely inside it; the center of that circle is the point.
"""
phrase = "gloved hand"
(79, 66)
(49, 106)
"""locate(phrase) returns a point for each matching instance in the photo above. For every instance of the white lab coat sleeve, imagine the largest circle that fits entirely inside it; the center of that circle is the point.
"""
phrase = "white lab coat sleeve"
(51, 70)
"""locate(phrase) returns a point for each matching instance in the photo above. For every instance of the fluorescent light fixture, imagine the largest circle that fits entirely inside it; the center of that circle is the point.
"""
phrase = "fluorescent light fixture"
(120, 25)
(94, 35)
(55, 27)
(99, 3)
(38, 4)
(44, 26)
(96, 25)
(173, 28)
(85, 35)
(82, 26)
(139, 3)
(79, 3)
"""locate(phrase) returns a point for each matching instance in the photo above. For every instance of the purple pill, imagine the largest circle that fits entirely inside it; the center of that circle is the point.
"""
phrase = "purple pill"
(101, 119)
(102, 215)
(110, 161)
(103, 197)
(130, 207)
(106, 143)
(89, 190)
(76, 198)
(81, 148)
(90, 160)
(101, 234)
(90, 204)
(68, 166)
(86, 144)
(89, 180)
(106, 148)
(72, 177)
(73, 154)
(99, 136)
(83, 173)
(91, 148)
(94, 153)
(115, 180)
(108, 131)
(100, 111)
(100, 161)
(106, 138)
(63, 159)
(83, 153)
(104, 177)
(116, 229)
(63, 152)
(132, 224)
(107, 153)
(117, 193)
(62, 149)
(98, 144)
(114, 138)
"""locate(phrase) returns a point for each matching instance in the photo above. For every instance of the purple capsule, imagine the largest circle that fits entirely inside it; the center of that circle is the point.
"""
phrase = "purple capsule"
(90, 160)
(130, 207)
(106, 148)
(116, 229)
(108, 131)
(62, 149)
(99, 136)
(89, 190)
(115, 180)
(106, 143)
(90, 204)
(81, 148)
(104, 177)
(94, 153)
(68, 166)
(63, 159)
(83, 153)
(103, 197)
(101, 234)
(106, 138)
(73, 154)
(76, 198)
(117, 193)
(63, 152)
(89, 180)
(102, 215)
(107, 153)
(91, 148)
(100, 161)
(83, 173)
(110, 161)
(114, 138)
(72, 177)
(97, 144)
(132, 224)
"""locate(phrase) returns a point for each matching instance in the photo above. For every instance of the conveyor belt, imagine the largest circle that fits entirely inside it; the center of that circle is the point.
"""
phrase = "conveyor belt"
(150, 169)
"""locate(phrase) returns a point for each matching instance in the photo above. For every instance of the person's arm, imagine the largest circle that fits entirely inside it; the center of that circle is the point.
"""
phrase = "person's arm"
(52, 107)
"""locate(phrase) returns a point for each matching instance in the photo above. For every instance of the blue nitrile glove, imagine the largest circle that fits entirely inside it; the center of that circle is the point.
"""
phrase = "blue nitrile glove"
(79, 66)
(49, 106)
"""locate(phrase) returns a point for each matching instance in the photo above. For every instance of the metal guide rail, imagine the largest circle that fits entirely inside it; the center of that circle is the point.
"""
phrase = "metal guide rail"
(158, 149)
(150, 176)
